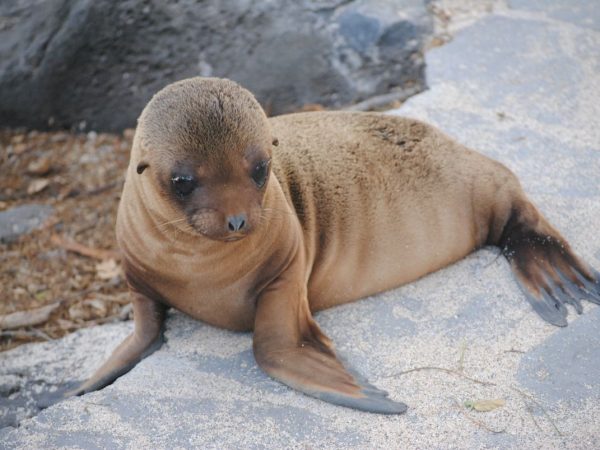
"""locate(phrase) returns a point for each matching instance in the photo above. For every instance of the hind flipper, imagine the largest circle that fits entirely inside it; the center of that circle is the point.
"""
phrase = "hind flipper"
(546, 268)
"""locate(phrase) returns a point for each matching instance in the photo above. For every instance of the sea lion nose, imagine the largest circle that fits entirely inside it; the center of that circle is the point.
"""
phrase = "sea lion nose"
(236, 223)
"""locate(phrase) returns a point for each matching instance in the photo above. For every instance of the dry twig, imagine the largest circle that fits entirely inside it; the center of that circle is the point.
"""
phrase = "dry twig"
(84, 250)
(486, 383)
(443, 369)
(27, 318)
(536, 403)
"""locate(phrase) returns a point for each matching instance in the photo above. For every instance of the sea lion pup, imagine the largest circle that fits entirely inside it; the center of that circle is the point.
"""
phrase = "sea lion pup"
(250, 223)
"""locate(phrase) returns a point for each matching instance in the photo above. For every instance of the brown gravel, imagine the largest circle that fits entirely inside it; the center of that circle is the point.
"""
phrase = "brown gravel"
(81, 176)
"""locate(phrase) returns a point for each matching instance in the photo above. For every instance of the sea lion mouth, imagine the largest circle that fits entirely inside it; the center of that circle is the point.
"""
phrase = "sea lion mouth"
(231, 237)
(234, 238)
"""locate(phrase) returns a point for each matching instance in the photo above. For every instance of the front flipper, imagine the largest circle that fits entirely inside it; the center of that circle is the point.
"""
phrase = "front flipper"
(291, 348)
(547, 269)
(146, 338)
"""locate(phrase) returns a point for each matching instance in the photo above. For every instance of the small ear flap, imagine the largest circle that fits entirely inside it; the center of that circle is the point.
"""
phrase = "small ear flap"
(275, 142)
(142, 166)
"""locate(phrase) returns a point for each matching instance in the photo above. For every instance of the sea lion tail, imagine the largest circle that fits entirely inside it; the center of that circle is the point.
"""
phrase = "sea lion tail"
(545, 266)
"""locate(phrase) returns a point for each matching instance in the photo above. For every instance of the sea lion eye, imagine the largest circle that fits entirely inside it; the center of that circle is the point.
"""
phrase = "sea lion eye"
(260, 172)
(183, 184)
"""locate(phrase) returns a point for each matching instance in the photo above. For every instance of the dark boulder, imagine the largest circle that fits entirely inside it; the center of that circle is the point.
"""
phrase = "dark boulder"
(93, 64)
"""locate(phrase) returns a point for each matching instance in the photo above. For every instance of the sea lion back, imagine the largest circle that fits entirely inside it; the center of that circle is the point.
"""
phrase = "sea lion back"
(370, 191)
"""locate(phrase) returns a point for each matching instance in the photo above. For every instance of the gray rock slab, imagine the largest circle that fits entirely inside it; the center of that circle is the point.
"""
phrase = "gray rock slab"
(23, 219)
(33, 377)
(565, 367)
(584, 13)
(520, 88)
(95, 64)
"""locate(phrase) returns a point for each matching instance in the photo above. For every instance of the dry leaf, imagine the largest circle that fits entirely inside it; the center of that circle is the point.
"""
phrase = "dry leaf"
(108, 269)
(27, 318)
(485, 405)
(39, 166)
(41, 295)
(19, 148)
(126, 312)
(37, 185)
(79, 312)
(64, 324)
(128, 133)
(88, 310)
(17, 139)
(19, 292)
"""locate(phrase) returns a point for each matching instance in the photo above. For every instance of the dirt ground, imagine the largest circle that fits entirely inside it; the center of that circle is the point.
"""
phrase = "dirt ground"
(81, 176)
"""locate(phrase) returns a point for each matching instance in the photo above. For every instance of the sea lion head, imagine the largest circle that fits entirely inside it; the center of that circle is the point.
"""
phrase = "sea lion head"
(206, 145)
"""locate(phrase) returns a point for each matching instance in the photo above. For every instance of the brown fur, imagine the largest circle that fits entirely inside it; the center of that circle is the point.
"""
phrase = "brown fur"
(357, 203)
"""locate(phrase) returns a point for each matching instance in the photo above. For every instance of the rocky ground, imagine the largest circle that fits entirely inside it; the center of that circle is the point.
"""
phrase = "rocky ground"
(520, 84)
(58, 199)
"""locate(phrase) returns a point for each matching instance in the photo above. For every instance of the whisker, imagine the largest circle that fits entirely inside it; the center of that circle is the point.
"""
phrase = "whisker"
(279, 211)
(172, 221)
(266, 216)
(186, 228)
